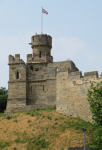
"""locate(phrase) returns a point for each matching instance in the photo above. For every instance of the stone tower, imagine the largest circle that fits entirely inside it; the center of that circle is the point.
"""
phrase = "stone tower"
(41, 46)
(17, 82)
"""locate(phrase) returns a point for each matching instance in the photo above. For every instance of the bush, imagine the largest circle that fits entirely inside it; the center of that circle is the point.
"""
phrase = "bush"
(32, 114)
(8, 117)
(56, 119)
(3, 101)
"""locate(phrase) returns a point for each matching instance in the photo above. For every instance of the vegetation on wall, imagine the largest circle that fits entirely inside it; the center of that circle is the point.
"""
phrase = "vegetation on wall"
(3, 97)
(95, 101)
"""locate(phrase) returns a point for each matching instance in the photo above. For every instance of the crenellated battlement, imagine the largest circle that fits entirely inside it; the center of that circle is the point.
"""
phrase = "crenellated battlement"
(15, 60)
(29, 58)
(87, 75)
(41, 40)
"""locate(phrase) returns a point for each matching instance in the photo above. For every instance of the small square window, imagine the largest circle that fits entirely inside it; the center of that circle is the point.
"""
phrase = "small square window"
(36, 69)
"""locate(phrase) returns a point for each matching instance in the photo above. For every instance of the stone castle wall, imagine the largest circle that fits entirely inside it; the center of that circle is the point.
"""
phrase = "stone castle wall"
(71, 90)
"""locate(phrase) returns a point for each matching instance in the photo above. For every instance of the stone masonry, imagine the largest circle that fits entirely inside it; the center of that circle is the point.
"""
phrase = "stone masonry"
(40, 82)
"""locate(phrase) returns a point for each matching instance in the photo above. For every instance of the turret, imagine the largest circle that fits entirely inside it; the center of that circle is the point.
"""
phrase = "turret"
(41, 45)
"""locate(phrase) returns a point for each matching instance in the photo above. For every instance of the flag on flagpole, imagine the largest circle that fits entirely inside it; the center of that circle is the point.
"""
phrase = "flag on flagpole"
(44, 11)
(36, 33)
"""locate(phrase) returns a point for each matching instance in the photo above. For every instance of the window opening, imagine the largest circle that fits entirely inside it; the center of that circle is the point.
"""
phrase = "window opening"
(31, 68)
(40, 54)
(48, 53)
(43, 87)
(36, 69)
(31, 88)
(17, 75)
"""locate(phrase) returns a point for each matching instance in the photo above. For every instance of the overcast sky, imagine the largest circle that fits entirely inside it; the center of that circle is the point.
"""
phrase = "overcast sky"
(75, 27)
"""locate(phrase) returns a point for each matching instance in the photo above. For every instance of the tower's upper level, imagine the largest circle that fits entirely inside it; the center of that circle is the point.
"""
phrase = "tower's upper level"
(41, 45)
(41, 40)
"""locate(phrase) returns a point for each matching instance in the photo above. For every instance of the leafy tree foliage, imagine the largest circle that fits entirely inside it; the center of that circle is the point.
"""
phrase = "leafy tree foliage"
(3, 97)
(95, 101)
(3, 91)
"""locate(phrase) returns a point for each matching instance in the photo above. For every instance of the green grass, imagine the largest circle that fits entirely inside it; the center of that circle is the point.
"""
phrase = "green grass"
(18, 140)
(15, 120)
(8, 117)
(48, 117)
(48, 108)
(4, 144)
(3, 115)
(32, 114)
(62, 118)
(37, 143)
(43, 116)
(29, 120)
(63, 123)
(46, 129)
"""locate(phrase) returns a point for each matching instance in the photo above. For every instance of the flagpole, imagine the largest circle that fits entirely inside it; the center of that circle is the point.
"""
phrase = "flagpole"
(42, 22)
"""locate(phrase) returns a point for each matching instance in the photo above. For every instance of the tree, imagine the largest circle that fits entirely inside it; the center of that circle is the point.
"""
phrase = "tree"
(3, 91)
(95, 101)
(3, 97)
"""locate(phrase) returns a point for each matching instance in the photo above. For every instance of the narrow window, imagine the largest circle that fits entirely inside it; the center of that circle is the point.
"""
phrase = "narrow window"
(40, 54)
(43, 87)
(48, 53)
(31, 88)
(17, 75)
(31, 68)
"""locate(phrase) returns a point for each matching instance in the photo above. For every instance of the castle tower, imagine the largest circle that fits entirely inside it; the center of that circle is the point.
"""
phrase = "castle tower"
(41, 45)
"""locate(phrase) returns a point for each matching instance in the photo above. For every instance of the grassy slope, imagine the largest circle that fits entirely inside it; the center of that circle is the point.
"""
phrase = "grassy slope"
(43, 129)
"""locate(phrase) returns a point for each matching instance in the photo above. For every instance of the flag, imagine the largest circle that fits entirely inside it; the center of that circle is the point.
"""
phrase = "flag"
(44, 11)
(36, 33)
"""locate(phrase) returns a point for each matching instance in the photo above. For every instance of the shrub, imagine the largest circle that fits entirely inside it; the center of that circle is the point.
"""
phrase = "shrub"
(32, 114)
(48, 117)
(56, 119)
(8, 117)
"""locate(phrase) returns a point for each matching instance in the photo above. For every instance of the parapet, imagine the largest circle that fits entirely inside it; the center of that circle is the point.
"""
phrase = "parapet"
(91, 74)
(29, 58)
(87, 75)
(41, 40)
(15, 60)
(75, 75)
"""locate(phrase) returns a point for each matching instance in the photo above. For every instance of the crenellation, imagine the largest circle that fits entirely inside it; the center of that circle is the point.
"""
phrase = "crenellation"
(29, 58)
(93, 73)
(11, 59)
(17, 57)
(15, 60)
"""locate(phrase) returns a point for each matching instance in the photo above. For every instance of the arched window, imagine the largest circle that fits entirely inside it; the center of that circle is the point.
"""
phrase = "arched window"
(17, 75)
